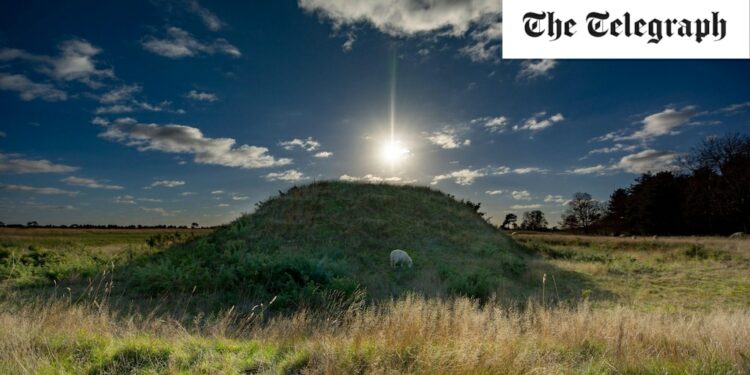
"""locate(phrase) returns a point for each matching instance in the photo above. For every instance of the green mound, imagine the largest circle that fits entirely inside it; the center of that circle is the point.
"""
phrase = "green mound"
(336, 237)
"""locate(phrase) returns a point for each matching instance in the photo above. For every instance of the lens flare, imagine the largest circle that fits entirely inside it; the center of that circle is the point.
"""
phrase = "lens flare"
(393, 152)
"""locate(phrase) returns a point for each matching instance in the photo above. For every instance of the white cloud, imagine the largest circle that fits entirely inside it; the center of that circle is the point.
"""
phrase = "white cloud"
(222, 205)
(538, 122)
(308, 144)
(641, 162)
(240, 198)
(74, 63)
(187, 193)
(290, 175)
(373, 179)
(486, 40)
(180, 43)
(120, 94)
(406, 18)
(28, 90)
(555, 199)
(598, 169)
(616, 148)
(114, 109)
(493, 192)
(124, 199)
(527, 170)
(531, 69)
(168, 183)
(202, 96)
(666, 122)
(525, 206)
(492, 124)
(447, 138)
(182, 139)
(14, 163)
(101, 121)
(150, 200)
(217, 192)
(136, 105)
(521, 195)
(480, 19)
(462, 177)
(89, 183)
(501, 170)
(209, 19)
(735, 108)
(323, 154)
(649, 161)
(158, 210)
(36, 190)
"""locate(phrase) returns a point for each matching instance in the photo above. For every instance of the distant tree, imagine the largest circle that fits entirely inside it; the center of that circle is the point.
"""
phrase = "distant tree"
(32, 224)
(510, 221)
(583, 211)
(534, 220)
(656, 204)
(729, 158)
(194, 225)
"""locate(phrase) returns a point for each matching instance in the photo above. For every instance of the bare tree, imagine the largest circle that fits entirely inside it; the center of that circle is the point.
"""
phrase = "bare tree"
(583, 211)
(534, 220)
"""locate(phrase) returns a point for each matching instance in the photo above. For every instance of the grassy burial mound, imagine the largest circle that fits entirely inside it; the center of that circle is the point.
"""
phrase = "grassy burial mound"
(336, 237)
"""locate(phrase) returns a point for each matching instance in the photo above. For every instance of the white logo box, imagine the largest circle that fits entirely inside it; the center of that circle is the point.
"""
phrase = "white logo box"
(733, 18)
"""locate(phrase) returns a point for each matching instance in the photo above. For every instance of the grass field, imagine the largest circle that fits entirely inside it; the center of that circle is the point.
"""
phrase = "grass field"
(666, 305)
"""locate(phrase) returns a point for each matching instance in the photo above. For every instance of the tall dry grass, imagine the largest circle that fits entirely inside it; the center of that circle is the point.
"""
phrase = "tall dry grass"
(408, 335)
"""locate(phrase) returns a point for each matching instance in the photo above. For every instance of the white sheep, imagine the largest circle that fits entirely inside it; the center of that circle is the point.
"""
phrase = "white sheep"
(737, 235)
(399, 257)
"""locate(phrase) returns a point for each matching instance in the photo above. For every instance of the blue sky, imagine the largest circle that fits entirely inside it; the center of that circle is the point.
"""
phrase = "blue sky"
(179, 111)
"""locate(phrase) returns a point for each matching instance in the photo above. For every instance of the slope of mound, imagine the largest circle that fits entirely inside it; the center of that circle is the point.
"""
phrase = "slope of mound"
(337, 236)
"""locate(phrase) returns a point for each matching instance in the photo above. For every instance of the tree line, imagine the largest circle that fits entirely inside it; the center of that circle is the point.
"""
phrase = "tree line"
(708, 194)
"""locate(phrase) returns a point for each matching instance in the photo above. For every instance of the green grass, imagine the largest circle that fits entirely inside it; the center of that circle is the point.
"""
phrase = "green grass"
(663, 273)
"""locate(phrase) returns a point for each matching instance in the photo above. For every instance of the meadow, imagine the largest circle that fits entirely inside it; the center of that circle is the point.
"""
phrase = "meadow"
(656, 306)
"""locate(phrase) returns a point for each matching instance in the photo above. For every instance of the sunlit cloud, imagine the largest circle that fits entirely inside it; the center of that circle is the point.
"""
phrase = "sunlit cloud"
(168, 183)
(463, 177)
(493, 192)
(531, 69)
(75, 62)
(521, 195)
(209, 19)
(36, 190)
(323, 154)
(447, 138)
(479, 19)
(202, 96)
(15, 163)
(539, 121)
(525, 206)
(89, 183)
(291, 175)
(182, 139)
(28, 90)
(179, 43)
(492, 124)
(308, 144)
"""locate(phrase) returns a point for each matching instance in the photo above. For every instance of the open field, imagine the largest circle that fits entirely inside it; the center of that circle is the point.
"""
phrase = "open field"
(666, 305)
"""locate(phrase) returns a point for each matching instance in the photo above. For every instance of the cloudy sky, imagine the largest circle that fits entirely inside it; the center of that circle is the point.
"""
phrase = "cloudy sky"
(174, 111)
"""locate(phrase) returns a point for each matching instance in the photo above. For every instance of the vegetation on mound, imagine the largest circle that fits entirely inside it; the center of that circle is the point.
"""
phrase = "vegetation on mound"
(335, 237)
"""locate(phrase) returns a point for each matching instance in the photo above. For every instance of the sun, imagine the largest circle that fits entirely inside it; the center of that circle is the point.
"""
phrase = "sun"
(393, 152)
